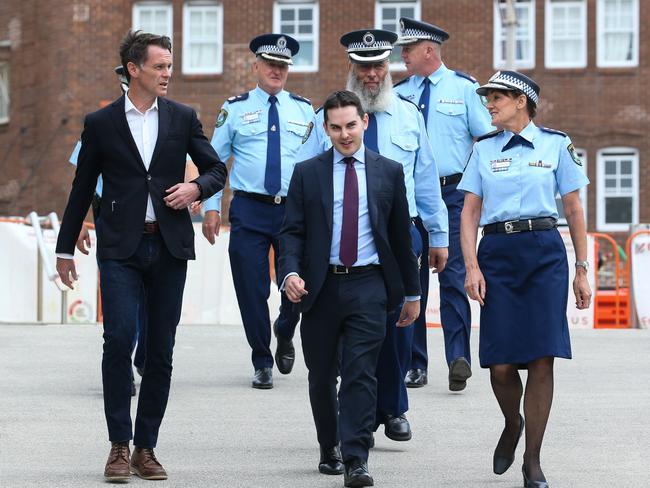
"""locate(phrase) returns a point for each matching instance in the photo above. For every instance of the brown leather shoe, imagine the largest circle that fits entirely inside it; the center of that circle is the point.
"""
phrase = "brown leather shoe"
(117, 465)
(146, 466)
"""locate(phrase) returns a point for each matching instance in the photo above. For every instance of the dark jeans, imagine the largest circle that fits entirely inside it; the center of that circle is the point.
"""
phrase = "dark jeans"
(162, 277)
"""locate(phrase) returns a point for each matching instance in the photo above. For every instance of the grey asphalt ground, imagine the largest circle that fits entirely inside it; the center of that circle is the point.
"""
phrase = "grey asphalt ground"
(219, 432)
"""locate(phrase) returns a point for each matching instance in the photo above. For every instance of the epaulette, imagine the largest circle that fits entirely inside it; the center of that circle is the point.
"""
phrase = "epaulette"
(553, 131)
(238, 98)
(409, 101)
(466, 76)
(403, 81)
(319, 109)
(299, 98)
(489, 134)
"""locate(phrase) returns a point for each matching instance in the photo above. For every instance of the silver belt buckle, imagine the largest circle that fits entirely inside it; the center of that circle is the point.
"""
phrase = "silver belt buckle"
(444, 180)
(510, 227)
(277, 199)
(337, 267)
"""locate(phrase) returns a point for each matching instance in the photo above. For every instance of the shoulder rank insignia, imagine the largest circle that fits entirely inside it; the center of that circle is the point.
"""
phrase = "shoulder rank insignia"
(299, 98)
(409, 101)
(401, 82)
(574, 155)
(466, 76)
(238, 98)
(489, 134)
(553, 131)
(221, 119)
(319, 109)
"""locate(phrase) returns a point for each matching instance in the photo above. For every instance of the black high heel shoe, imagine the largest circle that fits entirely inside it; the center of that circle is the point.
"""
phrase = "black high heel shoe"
(500, 463)
(532, 484)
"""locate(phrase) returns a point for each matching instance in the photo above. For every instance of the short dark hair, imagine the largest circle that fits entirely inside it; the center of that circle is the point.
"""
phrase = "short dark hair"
(340, 99)
(135, 44)
(531, 108)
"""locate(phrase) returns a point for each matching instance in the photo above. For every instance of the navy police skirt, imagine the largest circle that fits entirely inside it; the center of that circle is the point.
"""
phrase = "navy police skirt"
(524, 316)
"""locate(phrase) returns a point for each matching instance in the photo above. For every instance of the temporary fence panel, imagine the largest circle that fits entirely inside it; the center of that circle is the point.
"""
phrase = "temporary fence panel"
(640, 283)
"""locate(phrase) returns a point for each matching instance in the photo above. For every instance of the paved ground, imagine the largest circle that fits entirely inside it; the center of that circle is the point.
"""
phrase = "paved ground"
(219, 432)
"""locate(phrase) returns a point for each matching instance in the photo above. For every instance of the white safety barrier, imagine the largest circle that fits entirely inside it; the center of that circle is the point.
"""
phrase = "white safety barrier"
(640, 284)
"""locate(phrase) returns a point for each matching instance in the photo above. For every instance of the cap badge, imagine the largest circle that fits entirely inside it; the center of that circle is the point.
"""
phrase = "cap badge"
(368, 39)
(401, 25)
(282, 42)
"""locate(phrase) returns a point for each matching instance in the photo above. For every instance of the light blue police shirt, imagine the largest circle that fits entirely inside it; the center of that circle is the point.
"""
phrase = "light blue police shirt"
(73, 161)
(402, 137)
(241, 131)
(521, 182)
(456, 115)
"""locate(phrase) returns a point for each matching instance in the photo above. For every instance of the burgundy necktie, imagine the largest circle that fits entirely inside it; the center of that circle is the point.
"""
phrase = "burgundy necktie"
(350, 225)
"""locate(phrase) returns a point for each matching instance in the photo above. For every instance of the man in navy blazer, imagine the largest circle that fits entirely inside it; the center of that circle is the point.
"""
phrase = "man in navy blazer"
(347, 259)
(139, 145)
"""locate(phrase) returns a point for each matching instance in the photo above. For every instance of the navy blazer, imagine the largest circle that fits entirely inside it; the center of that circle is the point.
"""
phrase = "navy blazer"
(108, 148)
(306, 236)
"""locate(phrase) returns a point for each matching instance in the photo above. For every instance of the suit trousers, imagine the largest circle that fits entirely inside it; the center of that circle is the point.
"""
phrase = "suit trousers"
(254, 229)
(349, 314)
(162, 277)
(419, 356)
(395, 356)
(455, 313)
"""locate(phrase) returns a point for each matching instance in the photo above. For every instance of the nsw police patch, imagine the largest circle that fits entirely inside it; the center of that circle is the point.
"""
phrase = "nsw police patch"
(310, 126)
(574, 155)
(221, 119)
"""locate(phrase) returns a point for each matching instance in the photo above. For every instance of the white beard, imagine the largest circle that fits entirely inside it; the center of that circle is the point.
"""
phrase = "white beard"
(378, 102)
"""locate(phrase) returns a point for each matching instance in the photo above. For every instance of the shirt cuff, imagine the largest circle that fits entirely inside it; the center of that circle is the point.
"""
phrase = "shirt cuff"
(412, 298)
(212, 203)
(285, 279)
(63, 255)
(438, 239)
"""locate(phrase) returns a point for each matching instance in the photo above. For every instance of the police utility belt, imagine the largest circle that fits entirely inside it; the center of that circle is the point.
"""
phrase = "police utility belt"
(451, 179)
(525, 225)
(270, 199)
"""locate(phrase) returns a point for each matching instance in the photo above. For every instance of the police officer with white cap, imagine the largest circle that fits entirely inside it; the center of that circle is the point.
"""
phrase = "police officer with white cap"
(454, 116)
(262, 129)
(520, 275)
(396, 130)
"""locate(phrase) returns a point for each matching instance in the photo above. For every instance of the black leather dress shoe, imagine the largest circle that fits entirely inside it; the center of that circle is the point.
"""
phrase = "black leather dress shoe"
(263, 379)
(532, 484)
(356, 474)
(501, 463)
(416, 378)
(285, 354)
(397, 428)
(331, 461)
(459, 372)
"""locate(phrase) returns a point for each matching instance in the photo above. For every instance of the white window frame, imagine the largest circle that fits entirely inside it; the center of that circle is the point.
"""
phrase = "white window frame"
(582, 154)
(217, 68)
(600, 44)
(619, 152)
(548, 31)
(138, 7)
(499, 60)
(5, 82)
(379, 20)
(314, 36)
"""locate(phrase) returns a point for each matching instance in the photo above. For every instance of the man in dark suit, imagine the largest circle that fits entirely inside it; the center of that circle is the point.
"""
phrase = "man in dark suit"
(139, 145)
(347, 259)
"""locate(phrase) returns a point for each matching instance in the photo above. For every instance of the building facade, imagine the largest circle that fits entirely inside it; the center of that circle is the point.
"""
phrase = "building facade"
(590, 57)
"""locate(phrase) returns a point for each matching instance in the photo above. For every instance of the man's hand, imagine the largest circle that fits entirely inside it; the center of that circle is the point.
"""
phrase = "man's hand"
(67, 271)
(83, 241)
(581, 289)
(410, 312)
(294, 287)
(211, 225)
(438, 259)
(181, 195)
(195, 208)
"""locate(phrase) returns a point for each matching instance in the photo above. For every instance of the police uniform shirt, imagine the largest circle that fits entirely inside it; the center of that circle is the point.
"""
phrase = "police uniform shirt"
(73, 161)
(402, 137)
(241, 131)
(521, 182)
(456, 115)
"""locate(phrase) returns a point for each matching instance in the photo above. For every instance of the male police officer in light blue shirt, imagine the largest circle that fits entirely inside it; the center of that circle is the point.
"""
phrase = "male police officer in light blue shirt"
(455, 116)
(262, 129)
(396, 130)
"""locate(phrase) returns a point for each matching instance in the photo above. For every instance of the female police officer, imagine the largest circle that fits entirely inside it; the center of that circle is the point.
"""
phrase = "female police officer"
(521, 275)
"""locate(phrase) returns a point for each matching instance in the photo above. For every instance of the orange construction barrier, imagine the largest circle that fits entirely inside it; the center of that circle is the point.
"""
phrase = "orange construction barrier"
(612, 307)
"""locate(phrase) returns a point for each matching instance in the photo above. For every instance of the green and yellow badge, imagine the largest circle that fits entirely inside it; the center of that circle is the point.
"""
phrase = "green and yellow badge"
(221, 119)
(574, 155)
(310, 126)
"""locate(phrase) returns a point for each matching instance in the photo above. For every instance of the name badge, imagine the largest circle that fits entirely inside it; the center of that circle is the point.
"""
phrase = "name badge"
(251, 117)
(500, 165)
(295, 122)
(539, 164)
(451, 101)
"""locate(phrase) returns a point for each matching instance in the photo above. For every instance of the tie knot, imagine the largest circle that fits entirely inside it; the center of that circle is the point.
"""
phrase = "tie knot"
(349, 161)
(427, 81)
(273, 99)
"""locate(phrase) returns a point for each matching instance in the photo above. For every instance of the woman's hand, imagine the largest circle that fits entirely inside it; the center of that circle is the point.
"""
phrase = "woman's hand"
(581, 289)
(475, 284)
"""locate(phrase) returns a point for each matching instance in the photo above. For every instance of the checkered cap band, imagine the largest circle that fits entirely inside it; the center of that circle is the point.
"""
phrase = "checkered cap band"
(412, 33)
(374, 46)
(273, 49)
(514, 82)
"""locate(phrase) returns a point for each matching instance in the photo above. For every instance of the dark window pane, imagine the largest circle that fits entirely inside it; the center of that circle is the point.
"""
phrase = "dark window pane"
(304, 14)
(287, 14)
(618, 210)
(626, 167)
(390, 14)
(304, 29)
(610, 167)
(408, 12)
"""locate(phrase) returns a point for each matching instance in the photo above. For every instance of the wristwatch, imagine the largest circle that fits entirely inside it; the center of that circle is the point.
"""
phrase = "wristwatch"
(583, 264)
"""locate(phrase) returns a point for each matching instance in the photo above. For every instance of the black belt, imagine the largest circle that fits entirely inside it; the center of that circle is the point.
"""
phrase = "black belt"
(451, 179)
(525, 225)
(342, 270)
(150, 228)
(273, 200)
